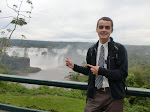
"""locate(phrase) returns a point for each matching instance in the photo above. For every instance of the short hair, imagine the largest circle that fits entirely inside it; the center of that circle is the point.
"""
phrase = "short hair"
(105, 19)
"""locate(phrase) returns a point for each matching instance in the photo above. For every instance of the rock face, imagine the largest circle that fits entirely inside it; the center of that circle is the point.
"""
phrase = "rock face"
(16, 63)
(19, 64)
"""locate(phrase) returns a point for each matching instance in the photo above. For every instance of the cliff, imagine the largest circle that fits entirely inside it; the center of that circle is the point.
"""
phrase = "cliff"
(19, 64)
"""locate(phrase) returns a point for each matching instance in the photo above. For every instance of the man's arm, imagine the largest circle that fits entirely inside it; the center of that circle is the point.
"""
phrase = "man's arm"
(80, 69)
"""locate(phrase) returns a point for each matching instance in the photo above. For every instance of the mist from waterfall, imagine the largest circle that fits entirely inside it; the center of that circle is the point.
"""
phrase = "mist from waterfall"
(51, 59)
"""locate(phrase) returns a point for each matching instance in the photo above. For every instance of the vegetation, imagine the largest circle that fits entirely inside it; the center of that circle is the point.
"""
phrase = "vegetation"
(47, 44)
(18, 20)
(69, 100)
(4, 69)
(43, 98)
(45, 102)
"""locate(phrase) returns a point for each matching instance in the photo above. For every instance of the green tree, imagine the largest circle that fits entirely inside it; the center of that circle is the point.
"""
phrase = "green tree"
(19, 20)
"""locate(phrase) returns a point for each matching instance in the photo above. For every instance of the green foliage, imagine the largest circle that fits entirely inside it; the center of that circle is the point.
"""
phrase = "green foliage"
(3, 87)
(4, 69)
(130, 81)
(136, 104)
(48, 44)
(42, 90)
(16, 88)
(137, 108)
(19, 21)
(45, 102)
(84, 64)
(43, 97)
(138, 77)
(4, 42)
(75, 76)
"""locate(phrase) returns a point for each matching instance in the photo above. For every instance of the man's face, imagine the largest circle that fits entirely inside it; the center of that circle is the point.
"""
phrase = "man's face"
(104, 30)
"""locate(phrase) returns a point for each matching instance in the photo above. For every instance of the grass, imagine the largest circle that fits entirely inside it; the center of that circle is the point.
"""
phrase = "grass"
(45, 102)
(57, 99)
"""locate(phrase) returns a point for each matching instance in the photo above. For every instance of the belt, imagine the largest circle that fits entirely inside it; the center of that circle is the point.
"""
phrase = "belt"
(105, 89)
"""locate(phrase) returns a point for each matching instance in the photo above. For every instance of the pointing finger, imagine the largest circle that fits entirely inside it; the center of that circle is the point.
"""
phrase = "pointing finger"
(67, 58)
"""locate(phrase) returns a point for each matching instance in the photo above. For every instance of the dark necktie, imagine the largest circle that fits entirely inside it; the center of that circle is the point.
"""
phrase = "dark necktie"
(99, 78)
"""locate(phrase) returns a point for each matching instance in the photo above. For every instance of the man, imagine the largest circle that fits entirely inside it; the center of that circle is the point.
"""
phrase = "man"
(107, 67)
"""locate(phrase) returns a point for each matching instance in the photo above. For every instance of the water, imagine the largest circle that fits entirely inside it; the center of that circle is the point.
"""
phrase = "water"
(59, 73)
(51, 60)
(51, 74)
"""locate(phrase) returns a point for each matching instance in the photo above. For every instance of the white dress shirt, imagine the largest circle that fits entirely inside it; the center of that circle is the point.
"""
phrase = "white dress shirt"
(105, 80)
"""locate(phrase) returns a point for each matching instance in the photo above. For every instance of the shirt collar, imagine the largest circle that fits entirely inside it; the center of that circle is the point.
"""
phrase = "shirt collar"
(105, 44)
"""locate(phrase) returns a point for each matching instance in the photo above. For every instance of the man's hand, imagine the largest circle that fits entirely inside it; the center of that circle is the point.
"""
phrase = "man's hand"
(69, 63)
(94, 69)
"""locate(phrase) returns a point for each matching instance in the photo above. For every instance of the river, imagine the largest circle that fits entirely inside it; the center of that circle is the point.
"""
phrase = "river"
(51, 74)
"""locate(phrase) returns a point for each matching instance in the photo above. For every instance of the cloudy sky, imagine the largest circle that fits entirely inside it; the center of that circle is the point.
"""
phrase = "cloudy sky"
(75, 20)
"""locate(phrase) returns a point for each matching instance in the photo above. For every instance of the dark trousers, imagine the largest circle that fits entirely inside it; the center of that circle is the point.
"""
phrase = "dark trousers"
(103, 103)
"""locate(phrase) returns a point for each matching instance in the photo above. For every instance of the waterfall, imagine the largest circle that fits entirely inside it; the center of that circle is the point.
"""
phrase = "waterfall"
(51, 57)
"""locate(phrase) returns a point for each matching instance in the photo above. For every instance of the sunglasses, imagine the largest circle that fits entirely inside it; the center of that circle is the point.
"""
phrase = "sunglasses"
(106, 27)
